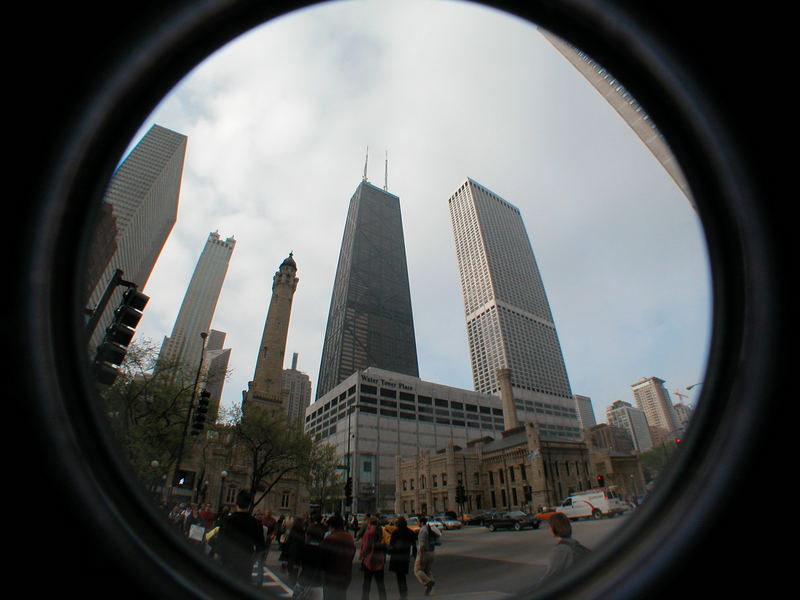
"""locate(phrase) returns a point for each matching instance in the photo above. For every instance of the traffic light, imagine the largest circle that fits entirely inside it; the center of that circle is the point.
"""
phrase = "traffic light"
(601, 481)
(200, 412)
(348, 491)
(528, 493)
(112, 350)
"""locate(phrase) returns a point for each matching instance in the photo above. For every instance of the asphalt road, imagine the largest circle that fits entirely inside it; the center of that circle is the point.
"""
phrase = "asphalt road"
(474, 563)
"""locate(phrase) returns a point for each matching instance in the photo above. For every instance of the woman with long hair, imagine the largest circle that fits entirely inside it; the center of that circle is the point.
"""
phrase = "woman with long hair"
(373, 559)
(402, 550)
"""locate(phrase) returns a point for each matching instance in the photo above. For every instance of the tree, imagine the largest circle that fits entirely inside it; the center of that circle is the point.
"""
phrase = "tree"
(271, 446)
(147, 410)
(323, 477)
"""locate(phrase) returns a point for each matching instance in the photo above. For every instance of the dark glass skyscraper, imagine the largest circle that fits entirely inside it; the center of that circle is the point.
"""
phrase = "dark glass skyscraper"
(370, 323)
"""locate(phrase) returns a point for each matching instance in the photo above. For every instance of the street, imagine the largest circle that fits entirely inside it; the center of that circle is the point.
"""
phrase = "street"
(474, 562)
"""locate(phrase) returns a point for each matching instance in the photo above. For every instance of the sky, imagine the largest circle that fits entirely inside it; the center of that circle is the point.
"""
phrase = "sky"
(281, 121)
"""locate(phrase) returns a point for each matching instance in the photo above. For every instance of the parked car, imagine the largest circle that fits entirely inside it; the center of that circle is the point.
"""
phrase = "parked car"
(513, 519)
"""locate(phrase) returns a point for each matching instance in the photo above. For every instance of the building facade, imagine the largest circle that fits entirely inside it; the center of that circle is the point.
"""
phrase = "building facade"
(652, 397)
(143, 194)
(298, 387)
(184, 346)
(509, 322)
(631, 420)
(626, 106)
(374, 416)
(585, 409)
(370, 321)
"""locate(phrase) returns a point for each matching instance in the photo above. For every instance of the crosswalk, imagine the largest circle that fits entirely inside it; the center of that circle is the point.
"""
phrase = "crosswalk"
(271, 582)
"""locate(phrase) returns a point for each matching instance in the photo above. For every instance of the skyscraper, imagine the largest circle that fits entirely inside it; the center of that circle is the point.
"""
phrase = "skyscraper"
(509, 323)
(266, 388)
(653, 398)
(183, 347)
(298, 386)
(143, 195)
(215, 364)
(370, 322)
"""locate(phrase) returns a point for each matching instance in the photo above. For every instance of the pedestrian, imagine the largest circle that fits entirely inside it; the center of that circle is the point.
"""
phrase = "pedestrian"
(567, 550)
(427, 539)
(364, 526)
(354, 525)
(402, 550)
(240, 537)
(295, 541)
(338, 550)
(268, 527)
(309, 581)
(373, 559)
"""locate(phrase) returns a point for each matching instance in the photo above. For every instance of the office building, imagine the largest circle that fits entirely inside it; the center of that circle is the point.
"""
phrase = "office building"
(652, 397)
(215, 365)
(583, 404)
(370, 322)
(374, 416)
(184, 346)
(621, 100)
(298, 387)
(143, 195)
(632, 421)
(510, 327)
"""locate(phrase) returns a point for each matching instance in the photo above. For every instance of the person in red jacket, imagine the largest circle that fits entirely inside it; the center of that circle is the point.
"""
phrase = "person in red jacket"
(373, 559)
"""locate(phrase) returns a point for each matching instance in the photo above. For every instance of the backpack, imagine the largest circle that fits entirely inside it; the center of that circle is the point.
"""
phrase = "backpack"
(434, 539)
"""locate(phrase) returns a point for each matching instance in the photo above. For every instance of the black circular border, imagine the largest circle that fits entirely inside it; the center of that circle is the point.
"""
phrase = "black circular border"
(108, 71)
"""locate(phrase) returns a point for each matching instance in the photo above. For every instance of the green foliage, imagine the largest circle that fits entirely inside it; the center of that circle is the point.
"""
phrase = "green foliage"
(147, 411)
(324, 477)
(270, 446)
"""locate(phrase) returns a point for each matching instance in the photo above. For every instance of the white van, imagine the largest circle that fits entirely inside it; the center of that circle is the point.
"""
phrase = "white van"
(595, 503)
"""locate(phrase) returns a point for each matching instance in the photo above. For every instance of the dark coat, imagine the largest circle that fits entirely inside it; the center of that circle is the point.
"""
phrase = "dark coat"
(402, 549)
(240, 537)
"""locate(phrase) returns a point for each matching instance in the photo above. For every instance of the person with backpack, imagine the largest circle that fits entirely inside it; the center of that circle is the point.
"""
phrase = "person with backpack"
(567, 550)
(428, 538)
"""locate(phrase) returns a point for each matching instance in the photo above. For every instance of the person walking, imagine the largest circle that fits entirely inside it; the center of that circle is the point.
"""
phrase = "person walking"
(373, 559)
(309, 581)
(402, 550)
(427, 540)
(240, 538)
(338, 550)
(567, 550)
(295, 541)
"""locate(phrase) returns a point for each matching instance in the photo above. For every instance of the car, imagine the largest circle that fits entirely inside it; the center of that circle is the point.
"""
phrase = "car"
(513, 519)
(447, 521)
(479, 518)
(450, 523)
(434, 522)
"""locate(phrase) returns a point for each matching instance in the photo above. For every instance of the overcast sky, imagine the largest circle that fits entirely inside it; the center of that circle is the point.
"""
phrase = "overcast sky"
(278, 123)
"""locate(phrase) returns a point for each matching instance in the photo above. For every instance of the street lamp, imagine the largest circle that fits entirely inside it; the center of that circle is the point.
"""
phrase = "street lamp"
(222, 476)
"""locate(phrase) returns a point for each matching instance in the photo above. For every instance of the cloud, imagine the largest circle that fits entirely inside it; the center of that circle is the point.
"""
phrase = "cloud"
(278, 125)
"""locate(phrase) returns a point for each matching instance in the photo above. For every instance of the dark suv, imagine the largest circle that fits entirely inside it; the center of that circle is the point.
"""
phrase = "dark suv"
(513, 519)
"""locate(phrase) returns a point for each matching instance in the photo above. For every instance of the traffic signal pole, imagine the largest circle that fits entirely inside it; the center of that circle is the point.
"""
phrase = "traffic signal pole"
(189, 412)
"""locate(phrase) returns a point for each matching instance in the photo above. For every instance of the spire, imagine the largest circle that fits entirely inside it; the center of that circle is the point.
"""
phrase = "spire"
(366, 159)
(386, 173)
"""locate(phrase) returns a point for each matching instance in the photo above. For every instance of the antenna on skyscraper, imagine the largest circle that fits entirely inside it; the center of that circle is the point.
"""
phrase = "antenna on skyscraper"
(386, 173)
(366, 159)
